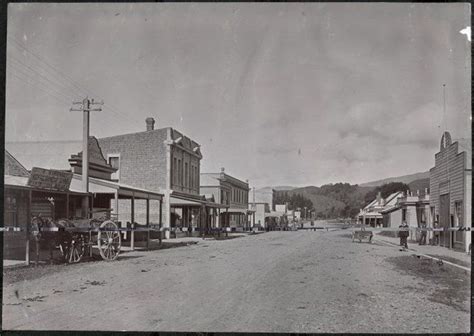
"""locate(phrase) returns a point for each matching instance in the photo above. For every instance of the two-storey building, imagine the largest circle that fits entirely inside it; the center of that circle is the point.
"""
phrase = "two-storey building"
(450, 192)
(162, 160)
(231, 192)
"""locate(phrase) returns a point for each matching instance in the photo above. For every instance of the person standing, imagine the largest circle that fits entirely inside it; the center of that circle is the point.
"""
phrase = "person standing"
(423, 234)
(403, 234)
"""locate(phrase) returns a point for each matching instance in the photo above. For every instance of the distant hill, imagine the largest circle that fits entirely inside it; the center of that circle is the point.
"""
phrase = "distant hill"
(278, 188)
(321, 203)
(420, 184)
(333, 200)
(404, 179)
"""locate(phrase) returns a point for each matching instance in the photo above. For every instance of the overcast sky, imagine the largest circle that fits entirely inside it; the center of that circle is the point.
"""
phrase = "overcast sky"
(282, 94)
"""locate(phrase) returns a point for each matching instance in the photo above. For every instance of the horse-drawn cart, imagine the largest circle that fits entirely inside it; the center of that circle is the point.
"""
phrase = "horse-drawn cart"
(74, 238)
(362, 234)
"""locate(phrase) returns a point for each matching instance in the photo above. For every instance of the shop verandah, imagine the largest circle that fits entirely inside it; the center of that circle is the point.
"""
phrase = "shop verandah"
(138, 212)
(24, 201)
(196, 216)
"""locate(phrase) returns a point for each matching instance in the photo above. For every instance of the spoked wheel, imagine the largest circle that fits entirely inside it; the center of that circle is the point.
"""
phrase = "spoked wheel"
(109, 240)
(73, 249)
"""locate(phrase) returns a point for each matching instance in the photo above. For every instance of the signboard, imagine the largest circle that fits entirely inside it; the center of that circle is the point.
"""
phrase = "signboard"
(49, 179)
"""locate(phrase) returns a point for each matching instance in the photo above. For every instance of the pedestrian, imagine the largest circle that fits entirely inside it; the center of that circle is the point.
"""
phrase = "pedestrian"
(403, 234)
(423, 234)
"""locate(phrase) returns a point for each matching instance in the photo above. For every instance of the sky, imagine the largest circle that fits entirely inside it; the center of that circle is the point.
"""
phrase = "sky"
(278, 93)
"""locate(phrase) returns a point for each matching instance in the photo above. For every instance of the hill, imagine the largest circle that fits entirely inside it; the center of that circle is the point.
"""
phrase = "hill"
(404, 179)
(420, 184)
(333, 200)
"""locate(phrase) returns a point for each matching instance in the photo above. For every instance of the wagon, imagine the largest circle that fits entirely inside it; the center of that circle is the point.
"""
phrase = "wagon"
(76, 237)
(362, 234)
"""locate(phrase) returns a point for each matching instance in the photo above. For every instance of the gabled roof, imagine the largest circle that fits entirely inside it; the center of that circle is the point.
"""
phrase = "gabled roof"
(14, 167)
(392, 199)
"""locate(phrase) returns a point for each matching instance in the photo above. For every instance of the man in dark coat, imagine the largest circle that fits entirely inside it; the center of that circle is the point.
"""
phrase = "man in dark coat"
(423, 234)
(403, 234)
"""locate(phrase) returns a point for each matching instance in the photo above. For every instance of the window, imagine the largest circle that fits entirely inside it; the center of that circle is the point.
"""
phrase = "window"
(180, 172)
(175, 171)
(186, 181)
(10, 211)
(114, 161)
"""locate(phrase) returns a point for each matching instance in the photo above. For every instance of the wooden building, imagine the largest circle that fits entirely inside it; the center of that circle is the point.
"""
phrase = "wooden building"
(450, 192)
(57, 193)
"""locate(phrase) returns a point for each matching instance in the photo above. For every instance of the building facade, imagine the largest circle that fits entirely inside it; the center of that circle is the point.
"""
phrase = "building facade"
(372, 213)
(162, 160)
(264, 195)
(232, 193)
(412, 208)
(450, 192)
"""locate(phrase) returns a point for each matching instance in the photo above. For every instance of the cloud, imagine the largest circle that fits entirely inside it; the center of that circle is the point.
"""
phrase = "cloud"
(466, 31)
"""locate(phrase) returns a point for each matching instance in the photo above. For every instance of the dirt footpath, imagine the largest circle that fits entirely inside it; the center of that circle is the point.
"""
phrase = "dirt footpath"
(301, 281)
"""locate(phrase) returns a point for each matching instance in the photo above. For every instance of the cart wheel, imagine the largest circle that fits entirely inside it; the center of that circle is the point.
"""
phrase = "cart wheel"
(109, 240)
(73, 250)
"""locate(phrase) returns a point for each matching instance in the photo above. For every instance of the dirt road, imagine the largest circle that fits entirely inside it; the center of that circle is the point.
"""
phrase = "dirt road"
(274, 282)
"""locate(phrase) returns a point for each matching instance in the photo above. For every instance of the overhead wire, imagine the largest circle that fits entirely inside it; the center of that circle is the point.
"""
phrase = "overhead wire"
(69, 81)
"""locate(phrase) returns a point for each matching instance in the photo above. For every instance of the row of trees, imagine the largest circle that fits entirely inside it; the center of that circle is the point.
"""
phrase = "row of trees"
(385, 190)
(294, 201)
(336, 200)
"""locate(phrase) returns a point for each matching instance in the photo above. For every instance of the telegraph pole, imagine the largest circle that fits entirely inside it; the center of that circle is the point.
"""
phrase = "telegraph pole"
(86, 109)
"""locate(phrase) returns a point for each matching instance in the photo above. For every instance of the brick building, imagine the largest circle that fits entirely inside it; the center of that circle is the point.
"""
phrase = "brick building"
(231, 192)
(163, 160)
(450, 191)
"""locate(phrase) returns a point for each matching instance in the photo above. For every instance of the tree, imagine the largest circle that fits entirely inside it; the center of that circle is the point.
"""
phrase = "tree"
(385, 190)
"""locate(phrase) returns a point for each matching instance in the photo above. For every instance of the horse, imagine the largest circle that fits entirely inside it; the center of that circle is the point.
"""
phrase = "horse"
(52, 234)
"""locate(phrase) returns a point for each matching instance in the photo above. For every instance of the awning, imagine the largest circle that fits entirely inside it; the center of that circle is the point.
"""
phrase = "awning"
(370, 214)
(98, 186)
(237, 210)
(21, 182)
(271, 215)
(275, 214)
(174, 201)
(216, 205)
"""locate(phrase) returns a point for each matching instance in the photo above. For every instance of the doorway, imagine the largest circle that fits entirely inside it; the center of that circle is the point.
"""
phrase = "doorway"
(444, 220)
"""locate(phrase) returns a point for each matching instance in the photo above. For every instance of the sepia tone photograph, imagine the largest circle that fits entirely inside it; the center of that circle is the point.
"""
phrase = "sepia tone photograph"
(237, 167)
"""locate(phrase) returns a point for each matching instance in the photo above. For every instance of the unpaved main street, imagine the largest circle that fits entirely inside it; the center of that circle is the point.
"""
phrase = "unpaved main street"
(273, 282)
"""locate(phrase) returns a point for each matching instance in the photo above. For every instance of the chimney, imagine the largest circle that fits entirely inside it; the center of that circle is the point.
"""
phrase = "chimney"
(150, 124)
(222, 169)
(379, 198)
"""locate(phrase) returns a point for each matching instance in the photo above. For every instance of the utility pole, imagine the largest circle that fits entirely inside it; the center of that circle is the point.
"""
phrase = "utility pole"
(86, 109)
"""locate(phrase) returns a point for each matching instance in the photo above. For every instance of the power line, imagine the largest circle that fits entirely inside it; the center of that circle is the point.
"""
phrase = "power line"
(60, 99)
(84, 91)
(68, 94)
